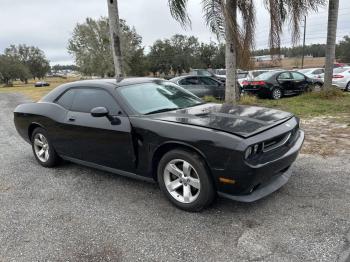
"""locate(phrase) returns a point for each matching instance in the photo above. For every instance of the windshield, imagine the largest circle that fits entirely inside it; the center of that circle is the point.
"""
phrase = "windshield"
(156, 97)
(305, 71)
(242, 75)
(265, 76)
(221, 72)
(257, 73)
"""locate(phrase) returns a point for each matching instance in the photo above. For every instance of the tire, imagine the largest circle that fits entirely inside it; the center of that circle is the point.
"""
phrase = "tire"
(317, 86)
(276, 93)
(42, 148)
(347, 88)
(179, 171)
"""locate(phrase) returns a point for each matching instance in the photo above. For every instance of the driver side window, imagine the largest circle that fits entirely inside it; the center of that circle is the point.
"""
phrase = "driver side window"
(87, 99)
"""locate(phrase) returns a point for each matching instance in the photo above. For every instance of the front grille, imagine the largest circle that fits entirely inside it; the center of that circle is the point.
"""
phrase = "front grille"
(276, 142)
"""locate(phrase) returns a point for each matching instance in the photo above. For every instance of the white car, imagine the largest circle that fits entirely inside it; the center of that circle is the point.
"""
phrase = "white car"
(341, 78)
(316, 74)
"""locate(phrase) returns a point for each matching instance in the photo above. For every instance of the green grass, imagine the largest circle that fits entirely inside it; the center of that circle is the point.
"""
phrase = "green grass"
(332, 103)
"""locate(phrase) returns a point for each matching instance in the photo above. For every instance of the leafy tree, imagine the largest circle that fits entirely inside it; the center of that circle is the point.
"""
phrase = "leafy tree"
(32, 57)
(64, 67)
(90, 45)
(343, 50)
(11, 69)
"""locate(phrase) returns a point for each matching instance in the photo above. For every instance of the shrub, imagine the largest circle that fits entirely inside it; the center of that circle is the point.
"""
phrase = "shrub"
(248, 100)
(329, 93)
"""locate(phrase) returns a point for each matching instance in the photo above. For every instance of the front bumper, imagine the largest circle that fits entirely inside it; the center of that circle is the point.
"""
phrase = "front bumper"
(266, 178)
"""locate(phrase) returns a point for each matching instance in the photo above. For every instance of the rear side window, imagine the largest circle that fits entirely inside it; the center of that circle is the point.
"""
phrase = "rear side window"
(66, 99)
(87, 99)
(298, 76)
(189, 81)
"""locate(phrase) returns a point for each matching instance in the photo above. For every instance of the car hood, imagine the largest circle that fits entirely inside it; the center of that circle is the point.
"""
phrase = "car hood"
(243, 121)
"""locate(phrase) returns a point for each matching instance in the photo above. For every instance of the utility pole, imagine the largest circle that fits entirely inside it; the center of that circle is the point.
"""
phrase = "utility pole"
(115, 36)
(303, 55)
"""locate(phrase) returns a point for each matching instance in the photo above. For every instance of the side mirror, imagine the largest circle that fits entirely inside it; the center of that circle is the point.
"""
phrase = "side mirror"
(99, 112)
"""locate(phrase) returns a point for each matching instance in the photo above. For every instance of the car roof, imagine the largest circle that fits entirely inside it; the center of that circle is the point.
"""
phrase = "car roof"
(109, 84)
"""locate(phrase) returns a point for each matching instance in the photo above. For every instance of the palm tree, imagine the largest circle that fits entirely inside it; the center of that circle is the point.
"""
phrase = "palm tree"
(221, 16)
(331, 42)
(115, 38)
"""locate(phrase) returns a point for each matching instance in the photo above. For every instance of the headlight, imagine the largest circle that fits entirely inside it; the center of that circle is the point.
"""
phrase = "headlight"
(252, 150)
(248, 152)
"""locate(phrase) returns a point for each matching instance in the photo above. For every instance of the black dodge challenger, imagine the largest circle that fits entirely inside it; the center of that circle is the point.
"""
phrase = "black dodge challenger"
(154, 130)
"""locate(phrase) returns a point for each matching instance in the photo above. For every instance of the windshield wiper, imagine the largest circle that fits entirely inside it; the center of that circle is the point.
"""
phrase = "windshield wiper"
(163, 110)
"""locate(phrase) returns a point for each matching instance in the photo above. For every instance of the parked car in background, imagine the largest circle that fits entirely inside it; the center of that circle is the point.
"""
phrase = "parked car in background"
(201, 86)
(41, 84)
(315, 73)
(276, 84)
(341, 78)
(209, 73)
(154, 130)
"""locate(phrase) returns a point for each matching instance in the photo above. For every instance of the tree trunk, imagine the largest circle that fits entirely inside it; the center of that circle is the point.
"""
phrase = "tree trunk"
(232, 93)
(115, 36)
(331, 42)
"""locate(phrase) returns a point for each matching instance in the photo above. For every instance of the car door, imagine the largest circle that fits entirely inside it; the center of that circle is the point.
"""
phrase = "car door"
(192, 84)
(97, 140)
(300, 83)
(211, 87)
(285, 82)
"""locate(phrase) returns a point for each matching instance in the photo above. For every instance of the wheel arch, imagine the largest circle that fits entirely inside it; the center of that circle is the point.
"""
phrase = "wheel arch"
(31, 129)
(162, 149)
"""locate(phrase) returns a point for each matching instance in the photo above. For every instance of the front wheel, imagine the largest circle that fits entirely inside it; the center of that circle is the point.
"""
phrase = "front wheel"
(43, 150)
(276, 93)
(347, 88)
(184, 179)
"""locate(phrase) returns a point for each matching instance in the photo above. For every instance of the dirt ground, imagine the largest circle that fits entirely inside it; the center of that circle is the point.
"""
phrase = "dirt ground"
(326, 135)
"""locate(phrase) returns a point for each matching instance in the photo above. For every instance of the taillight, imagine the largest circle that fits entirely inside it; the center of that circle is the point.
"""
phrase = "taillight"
(338, 76)
(258, 83)
(245, 83)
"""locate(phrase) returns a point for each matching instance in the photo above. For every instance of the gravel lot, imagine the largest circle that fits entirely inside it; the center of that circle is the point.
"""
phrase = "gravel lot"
(74, 213)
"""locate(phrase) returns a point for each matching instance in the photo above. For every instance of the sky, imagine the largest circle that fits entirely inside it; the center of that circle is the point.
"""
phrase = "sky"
(49, 24)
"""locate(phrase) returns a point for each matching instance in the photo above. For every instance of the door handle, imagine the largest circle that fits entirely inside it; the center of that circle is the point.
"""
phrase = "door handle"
(71, 119)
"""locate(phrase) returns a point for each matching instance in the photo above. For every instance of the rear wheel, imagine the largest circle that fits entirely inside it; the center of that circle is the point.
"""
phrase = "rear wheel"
(43, 150)
(276, 93)
(184, 179)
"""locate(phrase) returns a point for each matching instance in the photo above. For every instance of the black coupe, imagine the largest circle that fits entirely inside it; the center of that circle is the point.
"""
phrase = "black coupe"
(155, 130)
(276, 84)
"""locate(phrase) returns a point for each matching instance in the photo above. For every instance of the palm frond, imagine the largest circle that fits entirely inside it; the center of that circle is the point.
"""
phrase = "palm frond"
(178, 10)
(214, 17)
(247, 13)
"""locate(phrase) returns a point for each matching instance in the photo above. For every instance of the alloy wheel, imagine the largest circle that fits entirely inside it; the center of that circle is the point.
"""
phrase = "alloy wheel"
(182, 181)
(276, 93)
(41, 147)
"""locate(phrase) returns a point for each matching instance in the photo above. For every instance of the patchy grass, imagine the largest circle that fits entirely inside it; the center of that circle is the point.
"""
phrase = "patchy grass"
(324, 103)
(35, 93)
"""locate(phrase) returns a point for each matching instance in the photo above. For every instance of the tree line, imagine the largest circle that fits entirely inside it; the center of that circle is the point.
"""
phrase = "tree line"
(342, 51)
(22, 62)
